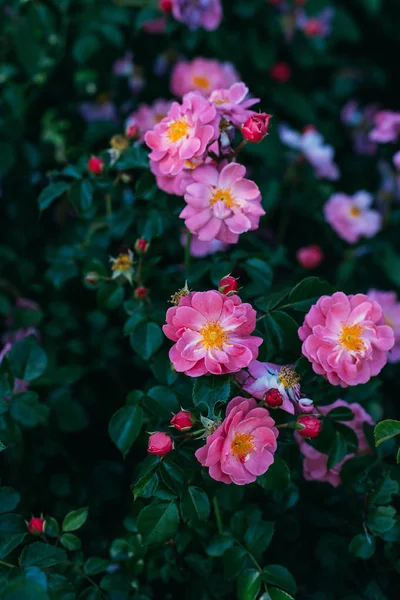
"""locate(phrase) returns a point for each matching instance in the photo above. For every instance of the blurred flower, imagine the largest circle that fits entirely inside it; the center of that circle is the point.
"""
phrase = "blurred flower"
(345, 339)
(123, 66)
(202, 75)
(233, 103)
(198, 13)
(243, 446)
(155, 26)
(148, 115)
(123, 266)
(390, 305)
(141, 293)
(95, 165)
(100, 110)
(387, 127)
(310, 257)
(319, 26)
(200, 249)
(281, 71)
(350, 216)
(360, 121)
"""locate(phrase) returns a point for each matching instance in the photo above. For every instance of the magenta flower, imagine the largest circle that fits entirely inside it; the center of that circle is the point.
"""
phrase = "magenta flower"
(148, 115)
(231, 103)
(200, 249)
(221, 204)
(345, 339)
(171, 184)
(387, 127)
(198, 13)
(211, 333)
(351, 217)
(201, 75)
(243, 446)
(184, 134)
(390, 306)
(315, 463)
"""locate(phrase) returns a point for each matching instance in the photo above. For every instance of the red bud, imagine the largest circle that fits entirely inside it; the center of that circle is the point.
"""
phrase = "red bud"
(160, 444)
(273, 398)
(255, 127)
(165, 5)
(95, 165)
(183, 420)
(281, 71)
(310, 426)
(141, 292)
(141, 246)
(228, 285)
(36, 525)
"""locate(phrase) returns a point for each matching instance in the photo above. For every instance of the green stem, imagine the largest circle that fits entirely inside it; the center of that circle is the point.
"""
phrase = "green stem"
(218, 515)
(108, 205)
(187, 253)
(6, 564)
(253, 560)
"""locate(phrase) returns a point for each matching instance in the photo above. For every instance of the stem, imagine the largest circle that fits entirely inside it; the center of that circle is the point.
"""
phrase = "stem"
(239, 147)
(6, 564)
(139, 270)
(253, 560)
(108, 205)
(187, 253)
(218, 515)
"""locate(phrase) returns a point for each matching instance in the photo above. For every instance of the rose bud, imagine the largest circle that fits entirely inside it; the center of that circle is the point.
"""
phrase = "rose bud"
(183, 420)
(36, 525)
(141, 246)
(165, 6)
(310, 257)
(160, 444)
(132, 131)
(95, 165)
(281, 71)
(273, 398)
(255, 127)
(228, 285)
(141, 292)
(309, 426)
(92, 278)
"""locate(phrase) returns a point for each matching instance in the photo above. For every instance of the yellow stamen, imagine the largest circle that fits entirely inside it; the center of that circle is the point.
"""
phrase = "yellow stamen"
(288, 377)
(242, 446)
(177, 130)
(221, 101)
(214, 337)
(225, 196)
(123, 263)
(350, 338)
(355, 211)
(182, 293)
(201, 82)
(389, 322)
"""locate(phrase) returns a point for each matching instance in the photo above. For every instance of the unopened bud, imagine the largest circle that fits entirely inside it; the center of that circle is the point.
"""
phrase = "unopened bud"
(183, 420)
(36, 525)
(273, 398)
(309, 426)
(95, 165)
(160, 444)
(228, 285)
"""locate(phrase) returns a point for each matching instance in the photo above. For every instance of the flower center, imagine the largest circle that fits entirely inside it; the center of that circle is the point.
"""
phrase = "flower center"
(225, 196)
(355, 211)
(177, 130)
(123, 263)
(158, 117)
(221, 101)
(201, 82)
(288, 377)
(242, 446)
(213, 335)
(350, 338)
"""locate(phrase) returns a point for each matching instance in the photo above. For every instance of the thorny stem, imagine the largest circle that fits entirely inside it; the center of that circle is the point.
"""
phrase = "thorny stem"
(218, 515)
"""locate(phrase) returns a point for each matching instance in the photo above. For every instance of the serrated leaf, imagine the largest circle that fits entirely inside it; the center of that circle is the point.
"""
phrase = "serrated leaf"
(385, 430)
(363, 546)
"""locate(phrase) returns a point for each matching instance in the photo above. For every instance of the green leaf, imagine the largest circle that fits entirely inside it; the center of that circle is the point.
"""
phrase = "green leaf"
(398, 456)
(75, 519)
(307, 292)
(219, 544)
(133, 158)
(276, 594)
(147, 468)
(51, 192)
(337, 452)
(341, 413)
(42, 555)
(162, 401)
(94, 565)
(86, 194)
(385, 491)
(281, 577)
(27, 359)
(385, 430)
(234, 559)
(173, 477)
(282, 331)
(26, 409)
(261, 275)
(277, 477)
(110, 296)
(248, 584)
(51, 527)
(9, 499)
(258, 536)
(208, 391)
(362, 546)
(195, 505)
(70, 541)
(24, 588)
(125, 426)
(158, 523)
(381, 519)
(147, 339)
(12, 533)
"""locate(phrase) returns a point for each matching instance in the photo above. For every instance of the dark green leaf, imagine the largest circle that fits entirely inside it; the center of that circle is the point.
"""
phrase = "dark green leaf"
(94, 565)
(158, 523)
(125, 426)
(195, 505)
(9, 499)
(341, 413)
(42, 555)
(385, 430)
(70, 541)
(248, 584)
(173, 477)
(27, 359)
(337, 452)
(277, 477)
(12, 533)
(362, 546)
(307, 292)
(162, 402)
(146, 339)
(279, 576)
(219, 544)
(381, 519)
(208, 391)
(276, 594)
(51, 192)
(258, 536)
(75, 519)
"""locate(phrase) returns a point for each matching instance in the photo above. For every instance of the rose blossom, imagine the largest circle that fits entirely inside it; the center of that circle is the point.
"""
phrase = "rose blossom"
(201, 75)
(148, 115)
(387, 127)
(198, 13)
(255, 128)
(201, 249)
(183, 135)
(315, 463)
(243, 446)
(232, 104)
(221, 204)
(310, 257)
(345, 339)
(390, 306)
(211, 333)
(351, 217)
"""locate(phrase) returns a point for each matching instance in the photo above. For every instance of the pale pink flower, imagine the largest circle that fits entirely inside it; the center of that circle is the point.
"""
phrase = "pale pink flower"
(232, 104)
(171, 184)
(198, 13)
(221, 204)
(310, 257)
(211, 333)
(345, 338)
(200, 249)
(315, 463)
(387, 127)
(390, 306)
(243, 446)
(184, 134)
(351, 217)
(201, 75)
(148, 115)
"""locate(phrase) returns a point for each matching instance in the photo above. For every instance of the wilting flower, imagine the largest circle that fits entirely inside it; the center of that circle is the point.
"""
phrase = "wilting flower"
(315, 464)
(390, 306)
(345, 338)
(351, 217)
(183, 135)
(211, 333)
(198, 13)
(387, 127)
(311, 144)
(201, 75)
(221, 204)
(243, 446)
(123, 266)
(148, 115)
(233, 103)
(310, 257)
(201, 249)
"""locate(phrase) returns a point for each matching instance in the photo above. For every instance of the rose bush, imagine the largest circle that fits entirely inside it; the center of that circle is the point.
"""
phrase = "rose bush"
(200, 324)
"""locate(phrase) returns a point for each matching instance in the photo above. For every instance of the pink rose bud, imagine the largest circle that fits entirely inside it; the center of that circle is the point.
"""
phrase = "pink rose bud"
(141, 246)
(36, 525)
(309, 426)
(255, 127)
(95, 165)
(228, 285)
(160, 444)
(313, 28)
(273, 398)
(310, 257)
(183, 420)
(132, 131)
(165, 6)
(141, 292)
(92, 278)
(281, 71)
